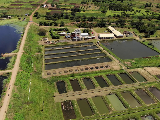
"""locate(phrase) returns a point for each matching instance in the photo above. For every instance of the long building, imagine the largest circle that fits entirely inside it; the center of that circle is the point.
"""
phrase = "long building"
(106, 36)
(115, 32)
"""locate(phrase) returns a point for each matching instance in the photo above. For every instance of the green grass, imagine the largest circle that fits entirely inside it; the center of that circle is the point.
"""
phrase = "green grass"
(100, 30)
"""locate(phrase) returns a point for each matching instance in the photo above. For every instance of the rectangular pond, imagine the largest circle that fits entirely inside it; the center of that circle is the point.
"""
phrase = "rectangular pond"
(155, 92)
(130, 99)
(144, 96)
(84, 107)
(102, 83)
(77, 63)
(129, 49)
(88, 83)
(68, 110)
(61, 87)
(114, 80)
(115, 102)
(75, 85)
(138, 76)
(100, 104)
(149, 117)
(126, 78)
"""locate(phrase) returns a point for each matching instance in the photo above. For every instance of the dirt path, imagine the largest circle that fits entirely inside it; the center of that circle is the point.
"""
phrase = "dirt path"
(95, 33)
(7, 97)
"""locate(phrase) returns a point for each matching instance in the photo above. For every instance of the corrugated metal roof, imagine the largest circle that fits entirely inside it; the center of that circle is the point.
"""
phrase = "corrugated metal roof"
(106, 35)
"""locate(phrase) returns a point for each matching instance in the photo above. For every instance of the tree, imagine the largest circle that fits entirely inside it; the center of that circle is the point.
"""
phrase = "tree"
(61, 24)
(42, 32)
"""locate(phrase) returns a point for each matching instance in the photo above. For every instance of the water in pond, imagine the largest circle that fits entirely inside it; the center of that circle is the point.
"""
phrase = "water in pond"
(100, 104)
(114, 80)
(129, 49)
(75, 85)
(115, 102)
(3, 63)
(144, 96)
(70, 49)
(61, 87)
(149, 117)
(84, 107)
(101, 81)
(158, 76)
(8, 40)
(74, 57)
(76, 63)
(155, 92)
(88, 83)
(138, 77)
(68, 110)
(130, 99)
(126, 78)
(1, 83)
(156, 43)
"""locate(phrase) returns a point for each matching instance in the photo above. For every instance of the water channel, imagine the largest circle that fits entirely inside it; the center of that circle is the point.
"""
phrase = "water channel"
(114, 80)
(155, 92)
(3, 63)
(130, 99)
(102, 83)
(138, 77)
(115, 102)
(61, 87)
(75, 85)
(100, 104)
(68, 110)
(144, 96)
(126, 78)
(88, 83)
(84, 107)
(129, 49)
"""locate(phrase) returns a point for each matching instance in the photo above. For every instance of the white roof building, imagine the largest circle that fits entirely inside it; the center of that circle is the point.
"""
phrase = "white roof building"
(84, 34)
(115, 32)
(106, 35)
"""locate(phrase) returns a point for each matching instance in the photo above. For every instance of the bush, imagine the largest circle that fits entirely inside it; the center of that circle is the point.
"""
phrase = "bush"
(42, 32)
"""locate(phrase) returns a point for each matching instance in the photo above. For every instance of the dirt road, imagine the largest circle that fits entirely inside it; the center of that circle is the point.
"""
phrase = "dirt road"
(7, 97)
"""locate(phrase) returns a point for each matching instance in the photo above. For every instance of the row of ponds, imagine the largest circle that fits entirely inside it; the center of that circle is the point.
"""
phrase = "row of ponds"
(73, 55)
(100, 103)
(101, 81)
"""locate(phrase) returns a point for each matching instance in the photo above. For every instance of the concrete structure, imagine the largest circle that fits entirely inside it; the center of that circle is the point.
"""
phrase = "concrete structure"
(106, 36)
(115, 32)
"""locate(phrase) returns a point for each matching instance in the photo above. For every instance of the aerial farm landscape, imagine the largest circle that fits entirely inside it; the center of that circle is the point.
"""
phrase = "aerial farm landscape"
(79, 59)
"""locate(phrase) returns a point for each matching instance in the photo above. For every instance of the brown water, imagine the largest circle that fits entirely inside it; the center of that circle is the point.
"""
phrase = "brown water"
(84, 107)
(68, 110)
(101, 81)
(130, 99)
(126, 78)
(88, 83)
(114, 80)
(144, 96)
(61, 87)
(138, 77)
(155, 92)
(75, 85)
(100, 104)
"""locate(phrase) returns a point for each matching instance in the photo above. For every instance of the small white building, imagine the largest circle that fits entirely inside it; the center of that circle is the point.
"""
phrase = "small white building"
(106, 36)
(62, 33)
(84, 35)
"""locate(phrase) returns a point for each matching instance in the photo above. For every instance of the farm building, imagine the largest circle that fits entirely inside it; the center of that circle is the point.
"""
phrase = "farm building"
(106, 36)
(115, 32)
(84, 34)
(62, 33)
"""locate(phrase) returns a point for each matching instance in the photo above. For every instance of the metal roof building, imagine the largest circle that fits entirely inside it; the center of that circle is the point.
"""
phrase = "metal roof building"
(115, 32)
(106, 36)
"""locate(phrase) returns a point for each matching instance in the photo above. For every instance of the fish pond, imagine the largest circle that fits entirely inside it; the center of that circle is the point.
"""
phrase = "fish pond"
(156, 43)
(100, 80)
(61, 87)
(75, 85)
(126, 78)
(88, 83)
(155, 92)
(149, 117)
(138, 76)
(114, 80)
(3, 63)
(129, 49)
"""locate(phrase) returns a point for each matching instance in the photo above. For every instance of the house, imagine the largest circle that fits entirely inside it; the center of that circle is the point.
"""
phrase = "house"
(106, 36)
(115, 32)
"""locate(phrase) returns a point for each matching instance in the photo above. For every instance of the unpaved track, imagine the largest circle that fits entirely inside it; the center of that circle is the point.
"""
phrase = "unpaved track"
(15, 71)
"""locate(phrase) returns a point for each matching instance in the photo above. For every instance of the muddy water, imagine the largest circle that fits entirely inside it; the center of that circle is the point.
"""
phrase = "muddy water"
(115, 102)
(138, 77)
(155, 92)
(77, 63)
(149, 117)
(88, 83)
(3, 63)
(129, 49)
(126, 78)
(70, 49)
(130, 99)
(156, 43)
(102, 83)
(68, 110)
(74, 57)
(1, 83)
(114, 80)
(75, 85)
(144, 96)
(72, 53)
(84, 107)
(61, 87)
(100, 104)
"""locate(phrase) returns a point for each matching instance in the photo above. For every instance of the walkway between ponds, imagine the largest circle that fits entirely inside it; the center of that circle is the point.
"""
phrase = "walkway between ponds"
(8, 54)
(5, 71)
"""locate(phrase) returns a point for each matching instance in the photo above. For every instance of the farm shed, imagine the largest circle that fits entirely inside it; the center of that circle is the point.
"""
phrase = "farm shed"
(115, 32)
(106, 36)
